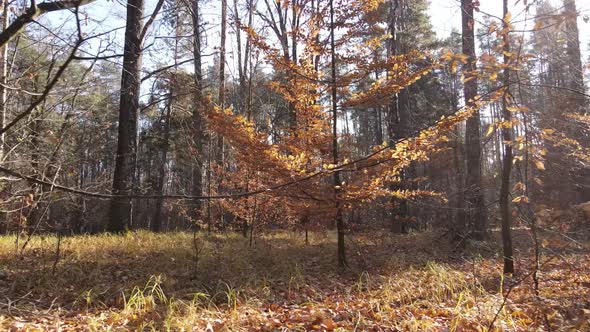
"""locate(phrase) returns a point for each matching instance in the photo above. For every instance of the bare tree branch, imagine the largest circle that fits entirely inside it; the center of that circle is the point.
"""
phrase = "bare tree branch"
(34, 12)
(46, 92)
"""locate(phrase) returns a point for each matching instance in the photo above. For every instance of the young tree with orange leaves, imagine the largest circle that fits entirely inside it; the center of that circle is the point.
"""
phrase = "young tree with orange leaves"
(313, 149)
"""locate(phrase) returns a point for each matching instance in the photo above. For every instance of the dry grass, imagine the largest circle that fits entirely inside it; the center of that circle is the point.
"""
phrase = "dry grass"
(175, 282)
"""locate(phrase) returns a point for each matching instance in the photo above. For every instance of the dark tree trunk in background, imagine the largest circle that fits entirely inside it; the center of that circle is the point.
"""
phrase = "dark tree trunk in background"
(295, 11)
(221, 92)
(476, 215)
(393, 117)
(507, 162)
(398, 110)
(197, 119)
(3, 78)
(121, 207)
(220, 156)
(35, 128)
(156, 225)
(337, 183)
(574, 56)
(241, 73)
(576, 102)
(248, 70)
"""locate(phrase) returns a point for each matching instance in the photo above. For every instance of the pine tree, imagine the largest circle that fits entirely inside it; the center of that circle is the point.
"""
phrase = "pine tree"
(121, 207)
(476, 216)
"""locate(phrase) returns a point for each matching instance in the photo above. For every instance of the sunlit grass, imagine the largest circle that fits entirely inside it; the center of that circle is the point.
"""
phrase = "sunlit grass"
(147, 281)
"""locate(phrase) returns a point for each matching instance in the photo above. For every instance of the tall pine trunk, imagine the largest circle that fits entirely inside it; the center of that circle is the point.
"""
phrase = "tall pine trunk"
(220, 157)
(507, 162)
(337, 183)
(3, 79)
(574, 57)
(221, 92)
(398, 111)
(121, 207)
(156, 225)
(197, 119)
(476, 215)
(575, 101)
(241, 73)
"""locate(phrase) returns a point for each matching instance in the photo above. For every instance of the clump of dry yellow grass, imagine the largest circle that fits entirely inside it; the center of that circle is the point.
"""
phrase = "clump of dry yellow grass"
(185, 282)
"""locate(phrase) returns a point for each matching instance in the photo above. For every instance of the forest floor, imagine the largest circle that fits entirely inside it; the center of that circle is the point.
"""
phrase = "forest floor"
(178, 282)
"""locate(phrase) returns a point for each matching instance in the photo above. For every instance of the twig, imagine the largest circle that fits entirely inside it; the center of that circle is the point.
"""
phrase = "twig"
(57, 252)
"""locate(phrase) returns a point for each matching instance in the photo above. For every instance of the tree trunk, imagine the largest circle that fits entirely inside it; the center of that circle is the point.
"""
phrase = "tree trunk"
(221, 92)
(476, 216)
(3, 100)
(575, 101)
(3, 79)
(337, 183)
(248, 70)
(197, 119)
(241, 73)
(574, 57)
(121, 207)
(397, 117)
(378, 119)
(220, 158)
(507, 162)
(159, 187)
(294, 34)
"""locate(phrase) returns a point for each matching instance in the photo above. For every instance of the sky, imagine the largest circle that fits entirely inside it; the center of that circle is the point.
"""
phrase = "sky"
(106, 15)
(446, 15)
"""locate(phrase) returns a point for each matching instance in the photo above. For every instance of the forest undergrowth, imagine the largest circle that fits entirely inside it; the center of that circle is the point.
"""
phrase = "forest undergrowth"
(200, 282)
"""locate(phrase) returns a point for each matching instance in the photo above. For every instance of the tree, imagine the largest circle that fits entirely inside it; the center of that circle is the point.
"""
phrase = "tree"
(318, 149)
(3, 77)
(197, 109)
(121, 207)
(576, 101)
(398, 117)
(574, 58)
(476, 216)
(337, 183)
(162, 150)
(221, 90)
(507, 138)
